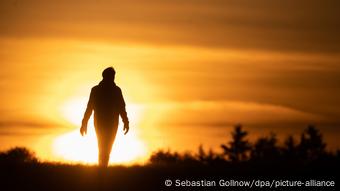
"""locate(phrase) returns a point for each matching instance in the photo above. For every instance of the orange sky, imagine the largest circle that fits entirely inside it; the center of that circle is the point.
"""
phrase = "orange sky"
(273, 66)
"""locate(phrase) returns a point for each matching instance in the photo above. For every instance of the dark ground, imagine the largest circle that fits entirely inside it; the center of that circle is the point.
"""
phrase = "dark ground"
(43, 176)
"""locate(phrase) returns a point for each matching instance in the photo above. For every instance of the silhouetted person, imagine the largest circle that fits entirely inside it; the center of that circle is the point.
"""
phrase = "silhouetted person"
(107, 102)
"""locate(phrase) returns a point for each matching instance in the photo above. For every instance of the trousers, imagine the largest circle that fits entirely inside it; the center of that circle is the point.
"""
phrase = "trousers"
(105, 137)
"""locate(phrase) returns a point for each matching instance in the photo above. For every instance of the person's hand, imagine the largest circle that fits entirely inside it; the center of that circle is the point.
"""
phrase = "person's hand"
(83, 130)
(126, 128)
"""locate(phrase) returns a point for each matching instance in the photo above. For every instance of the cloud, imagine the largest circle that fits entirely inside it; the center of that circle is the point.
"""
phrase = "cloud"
(26, 123)
(227, 113)
(311, 26)
(29, 127)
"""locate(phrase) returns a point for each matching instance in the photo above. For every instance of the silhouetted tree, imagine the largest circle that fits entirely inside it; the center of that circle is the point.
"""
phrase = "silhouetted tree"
(18, 155)
(265, 148)
(238, 148)
(290, 148)
(209, 157)
(312, 145)
(188, 158)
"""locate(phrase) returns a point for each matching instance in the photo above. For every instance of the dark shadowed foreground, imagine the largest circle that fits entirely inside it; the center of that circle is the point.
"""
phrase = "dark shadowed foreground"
(263, 162)
(152, 177)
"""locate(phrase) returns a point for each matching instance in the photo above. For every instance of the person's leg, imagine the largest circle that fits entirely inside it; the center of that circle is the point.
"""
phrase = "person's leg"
(105, 141)
(104, 151)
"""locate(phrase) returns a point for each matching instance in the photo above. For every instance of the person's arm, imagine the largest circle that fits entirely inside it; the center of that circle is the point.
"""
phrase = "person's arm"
(122, 112)
(87, 115)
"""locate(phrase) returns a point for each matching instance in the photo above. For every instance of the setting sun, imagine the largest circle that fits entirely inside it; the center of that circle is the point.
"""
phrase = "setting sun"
(70, 146)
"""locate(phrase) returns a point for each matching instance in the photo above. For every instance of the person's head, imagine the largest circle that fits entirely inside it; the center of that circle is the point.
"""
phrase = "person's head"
(109, 74)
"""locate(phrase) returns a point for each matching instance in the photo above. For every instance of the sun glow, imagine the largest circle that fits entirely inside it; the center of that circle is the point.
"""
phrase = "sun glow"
(72, 147)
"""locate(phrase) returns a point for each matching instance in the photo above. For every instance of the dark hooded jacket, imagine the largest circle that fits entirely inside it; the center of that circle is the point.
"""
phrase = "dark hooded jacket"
(107, 102)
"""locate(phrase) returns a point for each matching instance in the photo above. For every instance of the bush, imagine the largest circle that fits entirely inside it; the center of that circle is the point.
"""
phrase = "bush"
(18, 155)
